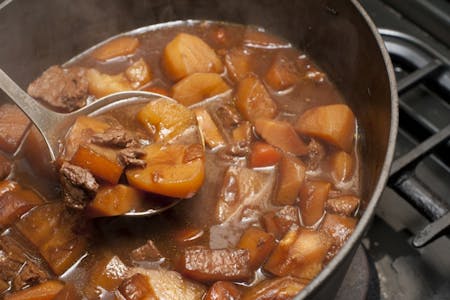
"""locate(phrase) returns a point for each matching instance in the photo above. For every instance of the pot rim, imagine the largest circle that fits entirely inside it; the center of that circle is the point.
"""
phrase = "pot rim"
(384, 174)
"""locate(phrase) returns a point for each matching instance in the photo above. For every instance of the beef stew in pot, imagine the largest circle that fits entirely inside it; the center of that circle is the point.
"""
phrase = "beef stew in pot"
(270, 189)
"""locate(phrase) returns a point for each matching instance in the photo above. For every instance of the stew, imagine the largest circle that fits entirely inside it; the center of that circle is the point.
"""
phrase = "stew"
(269, 191)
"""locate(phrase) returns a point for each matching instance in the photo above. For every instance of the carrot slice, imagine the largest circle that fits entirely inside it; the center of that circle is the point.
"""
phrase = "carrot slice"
(263, 155)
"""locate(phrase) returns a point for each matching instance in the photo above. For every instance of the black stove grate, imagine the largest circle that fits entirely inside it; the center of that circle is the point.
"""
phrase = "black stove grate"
(431, 69)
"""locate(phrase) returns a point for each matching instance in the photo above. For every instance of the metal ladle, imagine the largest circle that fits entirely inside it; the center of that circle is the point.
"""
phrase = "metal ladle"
(54, 126)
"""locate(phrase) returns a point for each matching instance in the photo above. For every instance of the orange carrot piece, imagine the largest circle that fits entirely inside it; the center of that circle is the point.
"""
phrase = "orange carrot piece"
(263, 155)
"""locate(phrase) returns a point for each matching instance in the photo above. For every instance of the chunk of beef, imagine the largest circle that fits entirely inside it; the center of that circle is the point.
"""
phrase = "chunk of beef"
(280, 222)
(132, 157)
(228, 115)
(234, 151)
(316, 153)
(147, 252)
(78, 184)
(63, 89)
(13, 126)
(29, 274)
(5, 167)
(209, 265)
(115, 137)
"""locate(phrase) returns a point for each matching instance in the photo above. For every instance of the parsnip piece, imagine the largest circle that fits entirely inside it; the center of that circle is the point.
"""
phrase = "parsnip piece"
(121, 46)
(334, 124)
(187, 54)
(197, 87)
(101, 84)
(253, 101)
(211, 133)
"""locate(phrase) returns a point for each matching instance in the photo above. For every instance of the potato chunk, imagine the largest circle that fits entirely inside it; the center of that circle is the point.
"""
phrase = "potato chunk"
(279, 288)
(281, 134)
(300, 253)
(223, 290)
(168, 118)
(341, 166)
(121, 46)
(339, 228)
(259, 245)
(210, 132)
(168, 173)
(44, 291)
(282, 74)
(187, 54)
(290, 180)
(206, 265)
(313, 196)
(334, 124)
(253, 101)
(101, 85)
(138, 73)
(114, 200)
(197, 87)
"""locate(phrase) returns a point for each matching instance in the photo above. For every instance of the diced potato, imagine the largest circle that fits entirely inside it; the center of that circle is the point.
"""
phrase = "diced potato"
(43, 291)
(121, 46)
(187, 54)
(101, 85)
(107, 273)
(279, 222)
(282, 74)
(223, 290)
(339, 228)
(15, 201)
(207, 265)
(99, 164)
(13, 126)
(243, 132)
(281, 134)
(334, 124)
(208, 128)
(253, 101)
(197, 87)
(259, 245)
(290, 180)
(280, 288)
(343, 205)
(167, 284)
(263, 155)
(147, 252)
(169, 118)
(50, 228)
(237, 62)
(138, 73)
(341, 165)
(167, 173)
(313, 196)
(300, 253)
(137, 287)
(114, 200)
(80, 133)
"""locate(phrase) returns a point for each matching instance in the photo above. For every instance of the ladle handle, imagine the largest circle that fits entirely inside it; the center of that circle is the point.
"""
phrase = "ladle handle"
(42, 117)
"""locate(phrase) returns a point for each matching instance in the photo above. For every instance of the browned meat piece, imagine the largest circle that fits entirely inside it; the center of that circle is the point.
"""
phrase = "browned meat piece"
(63, 89)
(316, 153)
(78, 184)
(228, 115)
(115, 137)
(207, 265)
(132, 157)
(13, 126)
(234, 151)
(223, 290)
(16, 266)
(137, 287)
(147, 252)
(5, 167)
(343, 205)
(279, 222)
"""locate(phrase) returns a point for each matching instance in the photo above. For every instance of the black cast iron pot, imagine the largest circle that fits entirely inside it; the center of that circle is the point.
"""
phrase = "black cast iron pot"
(337, 34)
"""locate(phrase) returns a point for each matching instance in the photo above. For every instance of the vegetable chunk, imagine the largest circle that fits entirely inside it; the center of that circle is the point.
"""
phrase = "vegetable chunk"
(341, 165)
(282, 74)
(206, 265)
(167, 173)
(187, 54)
(279, 222)
(197, 87)
(343, 205)
(263, 155)
(138, 73)
(313, 196)
(281, 134)
(101, 85)
(300, 253)
(223, 290)
(237, 62)
(334, 124)
(13, 126)
(121, 46)
(259, 245)
(44, 291)
(210, 132)
(290, 180)
(279, 288)
(339, 228)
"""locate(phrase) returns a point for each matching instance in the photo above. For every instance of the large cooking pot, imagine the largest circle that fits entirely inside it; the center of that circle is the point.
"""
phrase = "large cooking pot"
(337, 34)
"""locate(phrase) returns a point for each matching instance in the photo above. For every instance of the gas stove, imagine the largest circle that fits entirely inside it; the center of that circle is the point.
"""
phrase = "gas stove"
(406, 253)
